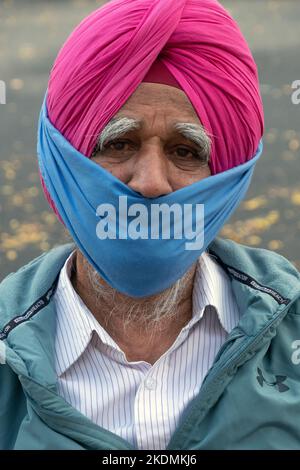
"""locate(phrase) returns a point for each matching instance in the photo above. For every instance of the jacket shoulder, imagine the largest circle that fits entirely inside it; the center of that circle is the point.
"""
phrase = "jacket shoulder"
(21, 288)
(264, 268)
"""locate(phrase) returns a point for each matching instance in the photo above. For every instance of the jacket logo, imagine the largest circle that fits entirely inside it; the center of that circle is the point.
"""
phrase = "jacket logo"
(278, 382)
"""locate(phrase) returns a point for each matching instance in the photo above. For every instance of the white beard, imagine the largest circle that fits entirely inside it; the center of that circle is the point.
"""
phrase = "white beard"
(148, 313)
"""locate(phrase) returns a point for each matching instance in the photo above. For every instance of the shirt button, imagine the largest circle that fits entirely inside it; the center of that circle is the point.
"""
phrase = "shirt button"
(150, 383)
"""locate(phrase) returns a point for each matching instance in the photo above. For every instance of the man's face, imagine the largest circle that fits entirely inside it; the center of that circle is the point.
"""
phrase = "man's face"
(155, 144)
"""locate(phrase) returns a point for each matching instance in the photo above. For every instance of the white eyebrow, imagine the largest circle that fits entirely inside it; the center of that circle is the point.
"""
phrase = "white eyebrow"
(197, 134)
(118, 127)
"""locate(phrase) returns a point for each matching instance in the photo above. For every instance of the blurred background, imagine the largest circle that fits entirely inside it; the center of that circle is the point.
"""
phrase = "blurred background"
(31, 33)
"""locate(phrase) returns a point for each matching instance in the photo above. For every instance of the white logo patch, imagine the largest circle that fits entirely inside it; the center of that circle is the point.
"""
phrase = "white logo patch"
(295, 358)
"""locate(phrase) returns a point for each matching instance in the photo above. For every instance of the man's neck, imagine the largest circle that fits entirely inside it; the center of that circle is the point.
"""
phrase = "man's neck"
(139, 341)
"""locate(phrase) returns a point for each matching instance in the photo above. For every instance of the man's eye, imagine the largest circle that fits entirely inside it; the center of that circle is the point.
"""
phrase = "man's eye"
(118, 145)
(184, 152)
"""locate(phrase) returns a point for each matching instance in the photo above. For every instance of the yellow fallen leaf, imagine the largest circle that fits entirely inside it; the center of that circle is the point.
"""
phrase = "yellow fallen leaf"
(295, 198)
(275, 244)
(255, 203)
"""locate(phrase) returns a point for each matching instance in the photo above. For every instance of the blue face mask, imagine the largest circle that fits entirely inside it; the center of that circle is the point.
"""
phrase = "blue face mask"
(139, 246)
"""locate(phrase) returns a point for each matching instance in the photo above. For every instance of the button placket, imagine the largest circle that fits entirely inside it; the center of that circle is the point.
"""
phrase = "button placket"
(150, 383)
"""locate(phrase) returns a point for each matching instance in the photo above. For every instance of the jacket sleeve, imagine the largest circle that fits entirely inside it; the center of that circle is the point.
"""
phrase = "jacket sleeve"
(12, 407)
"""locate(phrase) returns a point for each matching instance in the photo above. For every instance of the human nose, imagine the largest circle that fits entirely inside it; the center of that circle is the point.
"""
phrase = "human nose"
(150, 173)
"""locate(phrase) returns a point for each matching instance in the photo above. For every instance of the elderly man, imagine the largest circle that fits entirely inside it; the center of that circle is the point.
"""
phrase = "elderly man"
(150, 332)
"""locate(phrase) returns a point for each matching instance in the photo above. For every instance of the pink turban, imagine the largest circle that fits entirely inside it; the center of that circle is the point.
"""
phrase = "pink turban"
(111, 51)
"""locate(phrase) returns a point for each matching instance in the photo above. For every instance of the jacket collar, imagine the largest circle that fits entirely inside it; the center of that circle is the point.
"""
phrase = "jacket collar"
(263, 282)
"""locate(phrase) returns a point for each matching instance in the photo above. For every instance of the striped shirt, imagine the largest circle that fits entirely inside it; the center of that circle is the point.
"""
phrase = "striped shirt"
(140, 402)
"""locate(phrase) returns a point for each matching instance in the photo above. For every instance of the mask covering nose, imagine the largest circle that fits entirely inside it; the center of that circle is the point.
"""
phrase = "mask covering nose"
(139, 246)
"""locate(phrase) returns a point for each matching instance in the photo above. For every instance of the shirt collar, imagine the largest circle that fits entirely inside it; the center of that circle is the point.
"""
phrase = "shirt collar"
(73, 332)
(212, 286)
(75, 323)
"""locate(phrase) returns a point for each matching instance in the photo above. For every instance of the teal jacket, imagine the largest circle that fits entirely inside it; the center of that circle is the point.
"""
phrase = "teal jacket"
(250, 398)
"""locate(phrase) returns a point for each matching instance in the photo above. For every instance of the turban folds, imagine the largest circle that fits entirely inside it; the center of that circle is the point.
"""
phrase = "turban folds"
(111, 51)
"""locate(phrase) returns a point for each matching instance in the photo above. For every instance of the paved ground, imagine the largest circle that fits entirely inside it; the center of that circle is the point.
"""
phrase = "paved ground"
(30, 35)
